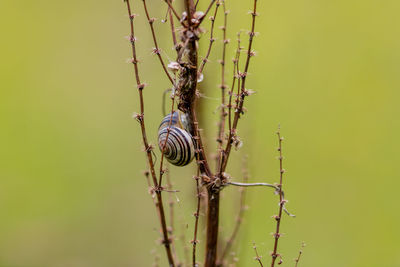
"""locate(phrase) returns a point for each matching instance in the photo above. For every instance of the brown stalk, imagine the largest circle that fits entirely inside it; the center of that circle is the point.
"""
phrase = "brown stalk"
(278, 218)
(171, 7)
(171, 21)
(212, 39)
(239, 218)
(156, 50)
(171, 216)
(235, 76)
(221, 124)
(208, 10)
(239, 109)
(258, 258)
(148, 148)
(300, 253)
(196, 215)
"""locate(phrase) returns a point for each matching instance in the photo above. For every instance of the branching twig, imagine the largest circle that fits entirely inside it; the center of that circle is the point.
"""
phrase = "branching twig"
(239, 109)
(196, 215)
(148, 148)
(282, 201)
(221, 124)
(171, 22)
(171, 215)
(257, 258)
(234, 77)
(208, 10)
(239, 218)
(205, 59)
(156, 50)
(300, 253)
(169, 3)
(253, 184)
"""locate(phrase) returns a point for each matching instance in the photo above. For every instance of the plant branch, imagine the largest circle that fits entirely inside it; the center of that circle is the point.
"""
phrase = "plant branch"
(258, 258)
(212, 39)
(148, 148)
(156, 50)
(196, 215)
(221, 124)
(278, 218)
(171, 7)
(171, 215)
(300, 253)
(208, 10)
(239, 109)
(234, 78)
(239, 218)
(171, 21)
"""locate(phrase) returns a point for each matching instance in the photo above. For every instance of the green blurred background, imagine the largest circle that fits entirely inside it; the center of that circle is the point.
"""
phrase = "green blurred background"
(72, 191)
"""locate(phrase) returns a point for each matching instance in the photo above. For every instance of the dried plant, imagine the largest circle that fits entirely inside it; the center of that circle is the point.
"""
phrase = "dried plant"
(179, 134)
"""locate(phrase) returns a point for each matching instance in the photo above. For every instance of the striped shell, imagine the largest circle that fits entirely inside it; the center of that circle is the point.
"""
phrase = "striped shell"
(179, 149)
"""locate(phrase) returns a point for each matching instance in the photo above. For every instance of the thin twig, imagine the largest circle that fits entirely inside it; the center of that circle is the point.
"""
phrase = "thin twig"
(169, 3)
(253, 184)
(278, 217)
(148, 148)
(171, 214)
(156, 50)
(239, 109)
(171, 21)
(276, 187)
(221, 124)
(300, 253)
(239, 217)
(208, 10)
(196, 215)
(234, 77)
(257, 258)
(212, 39)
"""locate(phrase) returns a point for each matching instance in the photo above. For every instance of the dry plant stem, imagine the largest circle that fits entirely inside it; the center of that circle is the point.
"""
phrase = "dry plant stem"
(278, 218)
(234, 77)
(258, 258)
(253, 184)
(239, 219)
(171, 7)
(148, 149)
(196, 215)
(212, 39)
(171, 216)
(298, 257)
(171, 22)
(212, 227)
(239, 109)
(221, 124)
(157, 50)
(208, 10)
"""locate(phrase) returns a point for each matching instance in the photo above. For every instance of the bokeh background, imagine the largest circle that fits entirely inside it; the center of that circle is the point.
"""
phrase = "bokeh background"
(72, 191)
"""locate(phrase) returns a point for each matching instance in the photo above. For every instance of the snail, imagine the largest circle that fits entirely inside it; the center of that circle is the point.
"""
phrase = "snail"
(180, 146)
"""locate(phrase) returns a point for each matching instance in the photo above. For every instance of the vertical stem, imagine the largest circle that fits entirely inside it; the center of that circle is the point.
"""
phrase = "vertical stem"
(196, 215)
(212, 227)
(221, 124)
(278, 218)
(140, 118)
(239, 109)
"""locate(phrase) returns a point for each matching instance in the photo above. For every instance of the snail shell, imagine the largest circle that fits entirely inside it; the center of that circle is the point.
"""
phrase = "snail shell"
(179, 149)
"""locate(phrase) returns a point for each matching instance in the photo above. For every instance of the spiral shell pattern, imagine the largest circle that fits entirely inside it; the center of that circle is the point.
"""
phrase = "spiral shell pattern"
(179, 148)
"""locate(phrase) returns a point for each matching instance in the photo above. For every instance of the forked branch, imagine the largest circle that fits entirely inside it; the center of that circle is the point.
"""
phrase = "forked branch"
(148, 148)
